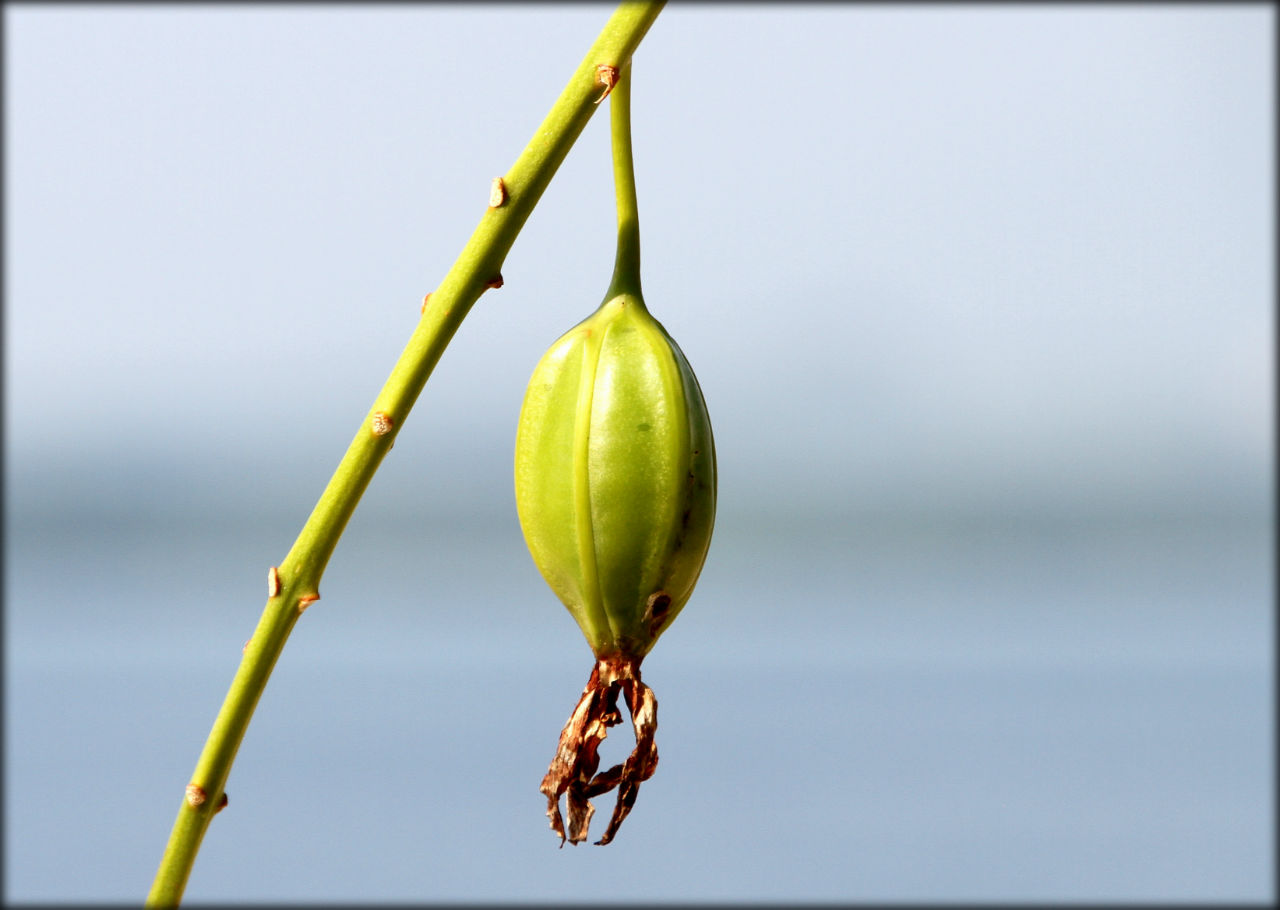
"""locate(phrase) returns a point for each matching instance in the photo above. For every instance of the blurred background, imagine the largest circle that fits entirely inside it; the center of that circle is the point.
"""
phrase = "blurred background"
(982, 303)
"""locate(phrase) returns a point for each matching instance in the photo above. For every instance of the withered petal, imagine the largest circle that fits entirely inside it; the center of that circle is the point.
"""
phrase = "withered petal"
(643, 760)
(573, 770)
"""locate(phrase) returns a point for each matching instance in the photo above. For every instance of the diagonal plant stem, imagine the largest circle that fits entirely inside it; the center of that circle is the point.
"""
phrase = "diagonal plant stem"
(295, 583)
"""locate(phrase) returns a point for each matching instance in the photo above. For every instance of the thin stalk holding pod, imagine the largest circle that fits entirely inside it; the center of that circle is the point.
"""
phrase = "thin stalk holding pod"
(626, 265)
(295, 583)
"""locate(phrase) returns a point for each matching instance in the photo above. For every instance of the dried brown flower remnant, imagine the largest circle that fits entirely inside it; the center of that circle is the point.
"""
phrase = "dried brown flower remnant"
(573, 770)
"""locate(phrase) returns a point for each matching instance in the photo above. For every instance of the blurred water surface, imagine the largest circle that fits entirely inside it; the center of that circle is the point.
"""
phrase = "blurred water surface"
(870, 709)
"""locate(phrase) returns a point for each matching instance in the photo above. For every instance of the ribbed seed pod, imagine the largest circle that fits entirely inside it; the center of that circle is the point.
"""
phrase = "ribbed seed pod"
(615, 477)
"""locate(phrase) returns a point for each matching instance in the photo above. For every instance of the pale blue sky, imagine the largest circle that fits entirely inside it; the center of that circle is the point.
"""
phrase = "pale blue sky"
(981, 300)
(1024, 245)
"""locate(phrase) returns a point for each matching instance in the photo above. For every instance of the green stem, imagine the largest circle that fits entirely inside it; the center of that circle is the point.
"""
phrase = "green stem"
(626, 266)
(477, 268)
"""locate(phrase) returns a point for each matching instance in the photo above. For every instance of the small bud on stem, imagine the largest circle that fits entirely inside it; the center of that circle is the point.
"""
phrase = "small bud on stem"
(607, 76)
(497, 193)
(381, 423)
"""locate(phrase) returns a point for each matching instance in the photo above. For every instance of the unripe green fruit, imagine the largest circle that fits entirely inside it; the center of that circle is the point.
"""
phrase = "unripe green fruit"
(615, 476)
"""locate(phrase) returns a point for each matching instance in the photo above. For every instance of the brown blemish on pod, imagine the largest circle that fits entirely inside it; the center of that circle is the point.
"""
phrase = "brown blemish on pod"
(656, 610)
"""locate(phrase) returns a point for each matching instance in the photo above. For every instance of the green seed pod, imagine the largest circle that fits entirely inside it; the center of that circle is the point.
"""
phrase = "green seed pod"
(616, 490)
(615, 476)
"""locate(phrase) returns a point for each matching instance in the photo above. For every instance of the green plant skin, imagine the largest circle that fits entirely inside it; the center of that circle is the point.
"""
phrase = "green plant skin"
(615, 476)
(477, 268)
(615, 467)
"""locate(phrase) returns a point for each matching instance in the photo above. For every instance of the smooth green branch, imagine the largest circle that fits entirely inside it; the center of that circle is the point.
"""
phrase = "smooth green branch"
(295, 584)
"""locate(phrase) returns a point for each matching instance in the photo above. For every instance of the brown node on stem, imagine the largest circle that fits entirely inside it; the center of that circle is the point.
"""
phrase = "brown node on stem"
(222, 803)
(306, 600)
(273, 581)
(423, 308)
(495, 281)
(196, 795)
(497, 193)
(607, 76)
(381, 423)
(573, 770)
